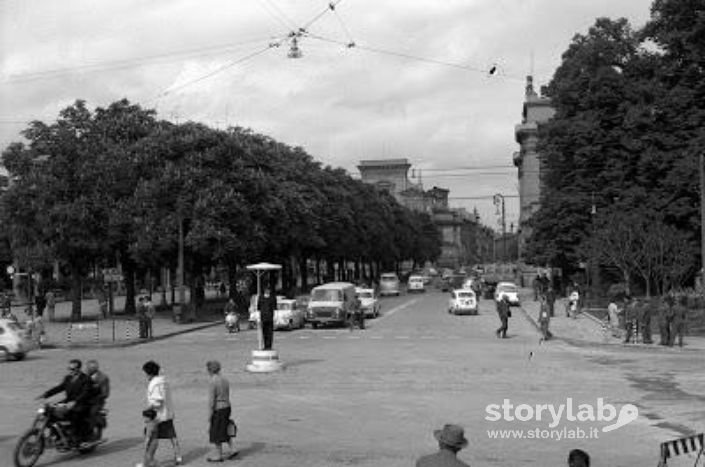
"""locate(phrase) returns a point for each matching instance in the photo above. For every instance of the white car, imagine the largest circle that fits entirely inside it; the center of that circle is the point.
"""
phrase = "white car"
(14, 341)
(462, 302)
(288, 315)
(415, 284)
(509, 290)
(368, 302)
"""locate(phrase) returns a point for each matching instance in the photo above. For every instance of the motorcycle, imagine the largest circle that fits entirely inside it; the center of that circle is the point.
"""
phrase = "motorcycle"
(232, 322)
(51, 429)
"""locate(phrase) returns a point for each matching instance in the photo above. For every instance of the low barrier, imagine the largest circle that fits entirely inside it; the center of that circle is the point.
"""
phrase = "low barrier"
(688, 445)
(92, 331)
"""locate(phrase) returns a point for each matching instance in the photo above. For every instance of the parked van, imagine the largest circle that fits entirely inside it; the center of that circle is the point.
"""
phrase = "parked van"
(330, 303)
(388, 284)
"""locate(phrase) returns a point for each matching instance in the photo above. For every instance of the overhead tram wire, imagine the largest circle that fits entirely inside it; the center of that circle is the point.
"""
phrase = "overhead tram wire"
(278, 14)
(381, 51)
(220, 69)
(301, 31)
(129, 63)
(331, 7)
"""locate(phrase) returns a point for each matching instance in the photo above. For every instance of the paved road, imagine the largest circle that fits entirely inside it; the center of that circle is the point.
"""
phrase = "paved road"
(373, 397)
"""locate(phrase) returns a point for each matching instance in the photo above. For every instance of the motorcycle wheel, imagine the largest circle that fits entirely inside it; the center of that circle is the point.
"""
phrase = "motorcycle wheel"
(29, 448)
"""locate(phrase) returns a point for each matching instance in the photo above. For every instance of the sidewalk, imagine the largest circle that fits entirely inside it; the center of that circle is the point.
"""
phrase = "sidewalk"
(117, 331)
(586, 328)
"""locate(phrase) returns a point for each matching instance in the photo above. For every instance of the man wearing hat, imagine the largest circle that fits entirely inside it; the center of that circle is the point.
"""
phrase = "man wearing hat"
(451, 439)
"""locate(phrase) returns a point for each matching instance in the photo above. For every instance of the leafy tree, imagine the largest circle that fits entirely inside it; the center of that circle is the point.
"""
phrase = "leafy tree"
(55, 202)
(626, 121)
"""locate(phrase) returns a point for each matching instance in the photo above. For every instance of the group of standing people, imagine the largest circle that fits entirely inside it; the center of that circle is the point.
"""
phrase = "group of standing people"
(637, 316)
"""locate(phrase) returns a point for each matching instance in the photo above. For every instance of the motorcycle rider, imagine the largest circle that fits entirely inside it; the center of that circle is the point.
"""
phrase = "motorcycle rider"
(100, 389)
(77, 388)
(232, 319)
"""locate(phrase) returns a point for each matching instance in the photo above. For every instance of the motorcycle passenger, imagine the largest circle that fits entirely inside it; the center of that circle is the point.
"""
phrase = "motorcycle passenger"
(77, 388)
(100, 387)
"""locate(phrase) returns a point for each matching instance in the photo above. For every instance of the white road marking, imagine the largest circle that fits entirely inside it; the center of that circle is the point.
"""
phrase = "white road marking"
(428, 337)
(395, 309)
(376, 337)
(329, 337)
(353, 337)
(401, 337)
(304, 337)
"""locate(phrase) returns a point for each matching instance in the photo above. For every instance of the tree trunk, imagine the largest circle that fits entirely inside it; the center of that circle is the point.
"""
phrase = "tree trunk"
(128, 271)
(627, 288)
(75, 293)
(303, 272)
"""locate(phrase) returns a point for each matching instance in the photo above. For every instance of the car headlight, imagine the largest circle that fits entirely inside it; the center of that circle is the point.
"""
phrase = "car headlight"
(41, 410)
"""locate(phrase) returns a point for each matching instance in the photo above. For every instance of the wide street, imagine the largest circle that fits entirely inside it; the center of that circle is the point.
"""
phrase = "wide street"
(374, 397)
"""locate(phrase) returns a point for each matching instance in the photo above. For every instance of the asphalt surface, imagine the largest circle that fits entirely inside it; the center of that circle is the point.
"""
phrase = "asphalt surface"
(374, 397)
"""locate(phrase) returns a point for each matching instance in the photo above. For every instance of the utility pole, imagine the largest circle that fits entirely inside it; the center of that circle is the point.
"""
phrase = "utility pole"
(180, 272)
(498, 200)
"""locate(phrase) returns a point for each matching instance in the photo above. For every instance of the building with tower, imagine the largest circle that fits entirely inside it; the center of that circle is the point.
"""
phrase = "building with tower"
(537, 109)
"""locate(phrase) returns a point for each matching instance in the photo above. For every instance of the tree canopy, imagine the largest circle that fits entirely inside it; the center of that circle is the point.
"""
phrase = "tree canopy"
(626, 135)
(118, 182)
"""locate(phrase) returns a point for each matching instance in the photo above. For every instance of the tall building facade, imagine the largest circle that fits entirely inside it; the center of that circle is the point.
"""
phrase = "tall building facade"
(464, 240)
(537, 109)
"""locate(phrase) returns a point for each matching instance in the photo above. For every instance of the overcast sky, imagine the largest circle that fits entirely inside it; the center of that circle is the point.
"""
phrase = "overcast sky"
(384, 98)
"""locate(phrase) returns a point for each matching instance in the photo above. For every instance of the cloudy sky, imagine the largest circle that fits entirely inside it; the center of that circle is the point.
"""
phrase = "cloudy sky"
(415, 86)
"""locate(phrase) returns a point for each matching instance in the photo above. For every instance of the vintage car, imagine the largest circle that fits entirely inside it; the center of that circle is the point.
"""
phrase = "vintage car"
(14, 340)
(388, 284)
(288, 315)
(369, 303)
(462, 302)
(509, 290)
(416, 284)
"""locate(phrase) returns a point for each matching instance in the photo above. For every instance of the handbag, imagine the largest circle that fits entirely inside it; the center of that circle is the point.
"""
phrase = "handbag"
(232, 429)
(509, 313)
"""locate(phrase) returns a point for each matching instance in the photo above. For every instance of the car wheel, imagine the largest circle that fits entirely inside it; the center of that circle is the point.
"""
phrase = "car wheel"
(314, 325)
(19, 355)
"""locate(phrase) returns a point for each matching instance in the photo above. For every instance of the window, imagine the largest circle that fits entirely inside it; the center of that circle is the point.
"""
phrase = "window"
(326, 295)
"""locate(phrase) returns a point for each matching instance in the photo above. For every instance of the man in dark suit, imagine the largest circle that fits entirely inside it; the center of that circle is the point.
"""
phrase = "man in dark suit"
(451, 439)
(504, 314)
(266, 305)
(77, 387)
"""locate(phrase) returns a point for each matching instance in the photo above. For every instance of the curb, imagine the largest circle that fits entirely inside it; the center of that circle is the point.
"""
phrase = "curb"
(131, 343)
